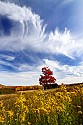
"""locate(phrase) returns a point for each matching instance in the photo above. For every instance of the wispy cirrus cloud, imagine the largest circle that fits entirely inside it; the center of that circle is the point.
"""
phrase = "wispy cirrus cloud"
(64, 69)
(7, 65)
(27, 29)
(65, 73)
(28, 32)
(30, 76)
(7, 57)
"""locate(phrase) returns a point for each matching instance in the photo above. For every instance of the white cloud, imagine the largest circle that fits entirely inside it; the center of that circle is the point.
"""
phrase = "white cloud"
(70, 80)
(23, 78)
(64, 2)
(29, 33)
(61, 43)
(63, 74)
(7, 64)
(7, 57)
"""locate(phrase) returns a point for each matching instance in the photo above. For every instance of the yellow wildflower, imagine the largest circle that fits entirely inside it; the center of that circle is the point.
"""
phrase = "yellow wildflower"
(10, 113)
(80, 112)
(1, 103)
(79, 106)
(29, 123)
(1, 119)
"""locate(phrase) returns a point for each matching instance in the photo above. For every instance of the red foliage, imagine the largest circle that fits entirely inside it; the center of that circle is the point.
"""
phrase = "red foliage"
(47, 78)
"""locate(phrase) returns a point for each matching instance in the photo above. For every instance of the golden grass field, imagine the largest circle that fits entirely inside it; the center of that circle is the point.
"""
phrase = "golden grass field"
(59, 106)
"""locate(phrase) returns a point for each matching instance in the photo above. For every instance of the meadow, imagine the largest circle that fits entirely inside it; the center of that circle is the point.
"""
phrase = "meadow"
(59, 106)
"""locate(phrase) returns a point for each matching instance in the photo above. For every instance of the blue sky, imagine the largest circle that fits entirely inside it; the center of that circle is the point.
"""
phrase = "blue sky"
(36, 33)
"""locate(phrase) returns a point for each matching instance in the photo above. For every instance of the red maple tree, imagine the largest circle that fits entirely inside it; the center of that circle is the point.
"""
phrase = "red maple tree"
(47, 78)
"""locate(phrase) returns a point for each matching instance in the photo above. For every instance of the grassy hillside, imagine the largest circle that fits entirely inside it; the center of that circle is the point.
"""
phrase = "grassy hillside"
(2, 86)
(59, 106)
(15, 89)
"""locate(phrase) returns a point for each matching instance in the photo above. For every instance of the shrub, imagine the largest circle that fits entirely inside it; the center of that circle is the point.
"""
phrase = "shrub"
(7, 90)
